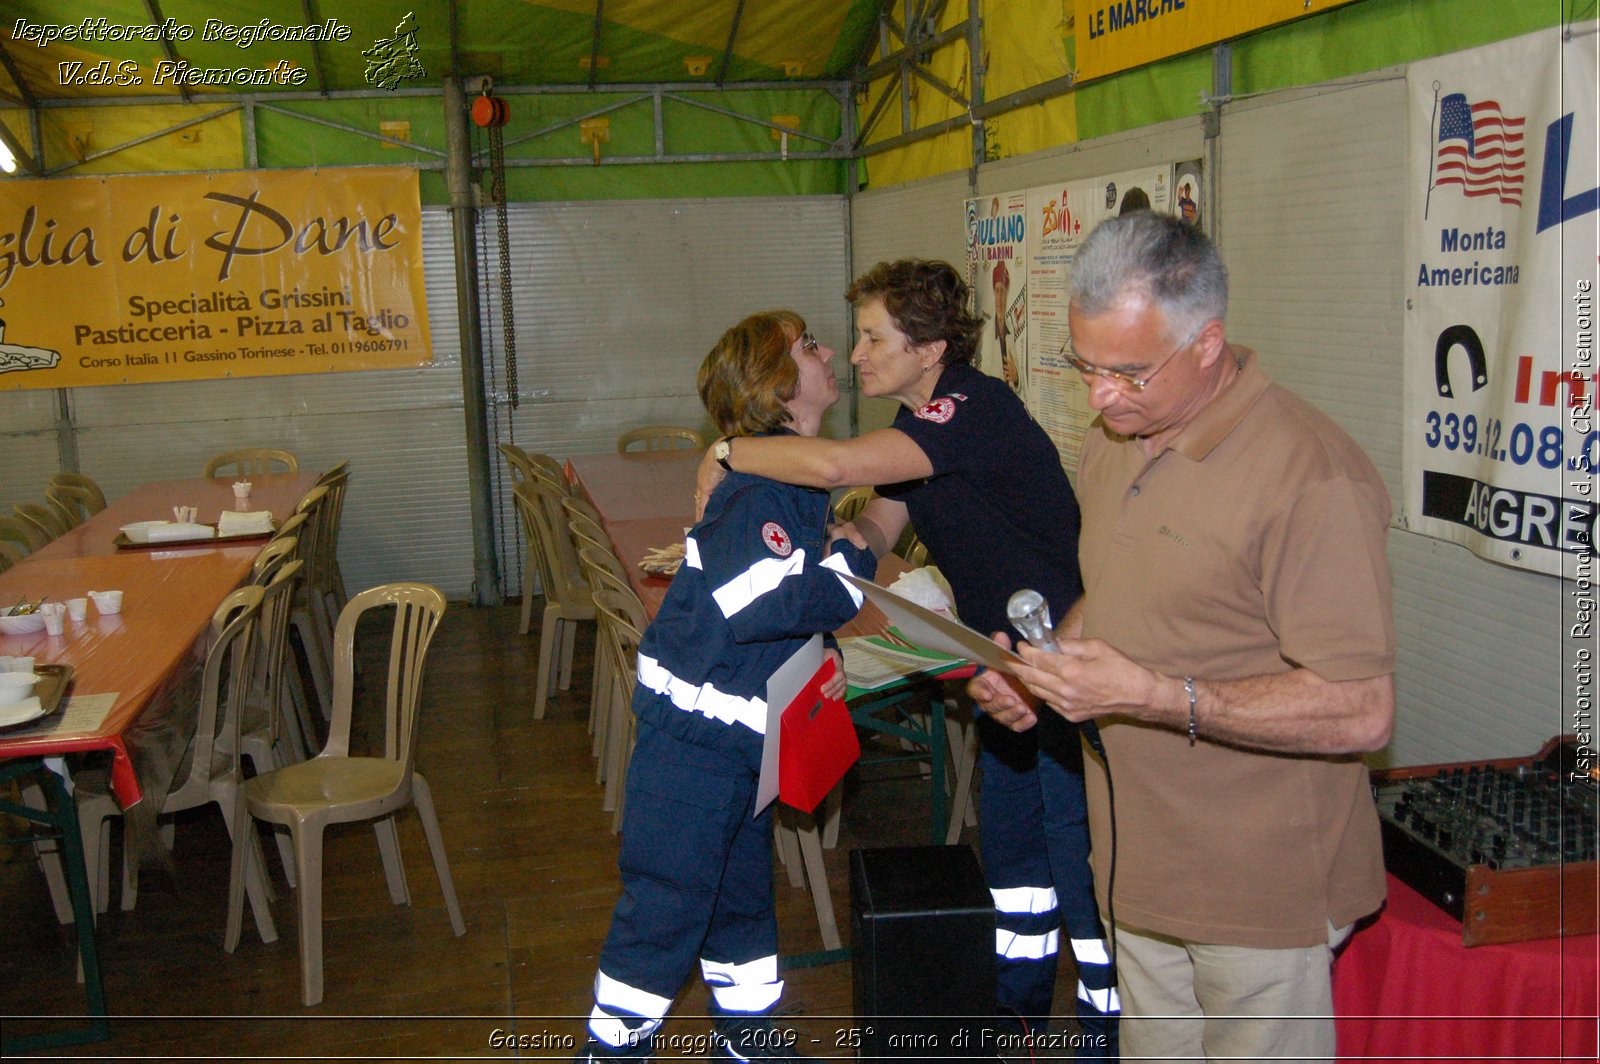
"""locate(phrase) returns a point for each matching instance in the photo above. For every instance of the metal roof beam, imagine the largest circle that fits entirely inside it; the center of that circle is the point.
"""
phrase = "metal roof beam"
(750, 119)
(153, 9)
(940, 84)
(6, 61)
(566, 122)
(594, 45)
(357, 130)
(135, 142)
(913, 49)
(833, 88)
(915, 135)
(727, 51)
(308, 8)
(878, 109)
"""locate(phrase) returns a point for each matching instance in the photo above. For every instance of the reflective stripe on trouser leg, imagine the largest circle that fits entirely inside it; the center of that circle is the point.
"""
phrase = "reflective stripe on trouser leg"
(1061, 767)
(1017, 869)
(753, 987)
(689, 854)
(624, 1015)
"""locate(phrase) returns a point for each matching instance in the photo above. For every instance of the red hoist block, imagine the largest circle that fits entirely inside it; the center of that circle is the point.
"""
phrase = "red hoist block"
(490, 112)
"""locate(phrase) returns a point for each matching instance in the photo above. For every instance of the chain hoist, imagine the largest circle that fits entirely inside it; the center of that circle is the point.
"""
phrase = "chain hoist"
(492, 113)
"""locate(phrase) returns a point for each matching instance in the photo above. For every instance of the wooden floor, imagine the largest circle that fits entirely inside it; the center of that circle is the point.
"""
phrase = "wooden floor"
(534, 861)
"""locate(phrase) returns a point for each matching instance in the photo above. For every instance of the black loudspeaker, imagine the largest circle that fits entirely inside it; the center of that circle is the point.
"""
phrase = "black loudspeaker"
(922, 952)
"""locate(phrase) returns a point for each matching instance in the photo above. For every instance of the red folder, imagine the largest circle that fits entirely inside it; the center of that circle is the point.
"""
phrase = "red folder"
(817, 744)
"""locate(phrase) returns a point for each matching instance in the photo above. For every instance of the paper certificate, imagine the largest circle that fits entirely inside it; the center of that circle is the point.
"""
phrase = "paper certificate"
(928, 629)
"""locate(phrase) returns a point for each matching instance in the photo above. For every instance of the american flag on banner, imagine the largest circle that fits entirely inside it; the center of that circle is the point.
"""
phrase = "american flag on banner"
(1479, 149)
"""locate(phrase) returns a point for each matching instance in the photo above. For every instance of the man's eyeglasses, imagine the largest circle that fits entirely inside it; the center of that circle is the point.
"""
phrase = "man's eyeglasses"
(808, 342)
(1125, 381)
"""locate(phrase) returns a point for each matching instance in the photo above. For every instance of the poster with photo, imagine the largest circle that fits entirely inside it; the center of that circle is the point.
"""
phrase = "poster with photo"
(1061, 216)
(997, 270)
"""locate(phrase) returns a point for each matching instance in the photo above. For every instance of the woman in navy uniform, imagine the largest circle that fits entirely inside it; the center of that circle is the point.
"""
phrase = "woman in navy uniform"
(983, 485)
(753, 588)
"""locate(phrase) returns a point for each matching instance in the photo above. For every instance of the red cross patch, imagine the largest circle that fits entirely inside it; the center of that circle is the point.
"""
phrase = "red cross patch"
(776, 539)
(939, 411)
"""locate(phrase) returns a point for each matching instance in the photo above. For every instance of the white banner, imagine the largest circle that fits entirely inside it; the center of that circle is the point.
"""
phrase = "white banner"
(1500, 441)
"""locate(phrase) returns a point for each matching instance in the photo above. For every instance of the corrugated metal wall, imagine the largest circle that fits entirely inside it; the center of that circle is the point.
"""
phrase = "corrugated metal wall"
(1312, 194)
(616, 303)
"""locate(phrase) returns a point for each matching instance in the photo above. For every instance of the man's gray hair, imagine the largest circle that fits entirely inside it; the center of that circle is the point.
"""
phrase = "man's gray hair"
(1156, 256)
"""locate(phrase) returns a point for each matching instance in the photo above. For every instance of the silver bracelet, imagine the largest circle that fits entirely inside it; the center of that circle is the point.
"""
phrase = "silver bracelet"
(1188, 689)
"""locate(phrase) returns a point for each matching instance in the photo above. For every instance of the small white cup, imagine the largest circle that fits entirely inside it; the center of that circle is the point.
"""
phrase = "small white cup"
(55, 617)
(16, 664)
(77, 608)
(241, 489)
(107, 602)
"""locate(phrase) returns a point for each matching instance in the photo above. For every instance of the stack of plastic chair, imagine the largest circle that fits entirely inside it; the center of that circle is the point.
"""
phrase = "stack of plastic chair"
(336, 787)
(206, 775)
(10, 554)
(48, 520)
(622, 622)
(68, 512)
(566, 593)
(660, 438)
(608, 703)
(283, 547)
(251, 461)
(330, 576)
(84, 489)
(311, 618)
(25, 535)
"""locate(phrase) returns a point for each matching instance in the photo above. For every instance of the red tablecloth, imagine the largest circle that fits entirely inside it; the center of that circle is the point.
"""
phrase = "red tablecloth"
(1406, 989)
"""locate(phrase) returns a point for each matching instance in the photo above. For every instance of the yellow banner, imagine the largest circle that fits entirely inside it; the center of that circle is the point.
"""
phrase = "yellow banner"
(1115, 35)
(130, 280)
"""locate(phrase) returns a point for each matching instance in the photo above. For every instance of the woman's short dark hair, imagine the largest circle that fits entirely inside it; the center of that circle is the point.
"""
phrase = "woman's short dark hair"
(749, 375)
(928, 301)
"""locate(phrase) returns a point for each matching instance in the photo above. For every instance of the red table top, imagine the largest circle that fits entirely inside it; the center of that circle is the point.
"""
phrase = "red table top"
(168, 598)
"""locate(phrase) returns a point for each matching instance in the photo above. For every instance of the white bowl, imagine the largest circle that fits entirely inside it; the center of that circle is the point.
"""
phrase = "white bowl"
(15, 686)
(27, 622)
(139, 531)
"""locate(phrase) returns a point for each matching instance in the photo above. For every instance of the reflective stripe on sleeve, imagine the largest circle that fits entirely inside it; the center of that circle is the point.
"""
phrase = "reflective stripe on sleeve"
(763, 576)
(837, 563)
(703, 698)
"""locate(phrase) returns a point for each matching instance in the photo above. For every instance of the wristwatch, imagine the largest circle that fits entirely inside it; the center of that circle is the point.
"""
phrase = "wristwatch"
(722, 450)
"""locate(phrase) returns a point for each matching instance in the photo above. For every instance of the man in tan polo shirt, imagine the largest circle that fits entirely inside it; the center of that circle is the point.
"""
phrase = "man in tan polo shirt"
(1235, 645)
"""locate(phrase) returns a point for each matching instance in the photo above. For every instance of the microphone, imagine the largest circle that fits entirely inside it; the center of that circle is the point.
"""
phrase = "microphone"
(1029, 614)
